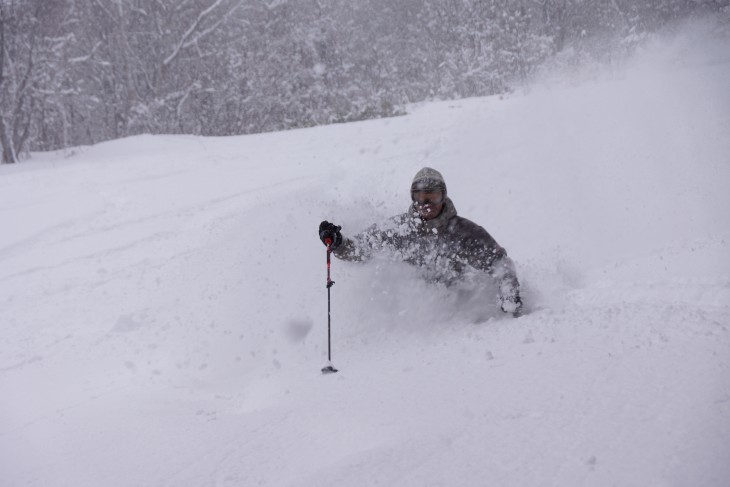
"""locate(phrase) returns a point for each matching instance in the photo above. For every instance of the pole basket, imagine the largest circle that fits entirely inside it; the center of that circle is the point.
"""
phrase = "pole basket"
(329, 369)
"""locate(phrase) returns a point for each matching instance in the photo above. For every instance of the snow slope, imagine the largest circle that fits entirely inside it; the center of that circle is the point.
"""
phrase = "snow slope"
(163, 309)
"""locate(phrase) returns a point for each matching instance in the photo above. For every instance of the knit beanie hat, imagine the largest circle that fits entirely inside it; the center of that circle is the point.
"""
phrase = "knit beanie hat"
(428, 179)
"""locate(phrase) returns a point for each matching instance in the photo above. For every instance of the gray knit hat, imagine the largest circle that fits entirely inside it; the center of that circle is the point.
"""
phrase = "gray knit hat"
(428, 179)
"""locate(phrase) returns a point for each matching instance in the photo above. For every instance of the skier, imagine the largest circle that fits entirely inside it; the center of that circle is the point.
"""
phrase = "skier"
(433, 237)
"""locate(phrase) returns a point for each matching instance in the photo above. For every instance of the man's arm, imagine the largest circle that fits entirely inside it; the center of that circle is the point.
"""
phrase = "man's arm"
(484, 253)
(353, 249)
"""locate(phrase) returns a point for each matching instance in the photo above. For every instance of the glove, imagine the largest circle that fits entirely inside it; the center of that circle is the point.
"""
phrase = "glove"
(512, 304)
(330, 235)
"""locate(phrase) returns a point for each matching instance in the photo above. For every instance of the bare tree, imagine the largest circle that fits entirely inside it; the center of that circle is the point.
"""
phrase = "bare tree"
(31, 46)
(81, 71)
(16, 67)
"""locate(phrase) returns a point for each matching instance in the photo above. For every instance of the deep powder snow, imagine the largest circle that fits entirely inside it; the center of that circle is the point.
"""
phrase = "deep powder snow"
(163, 307)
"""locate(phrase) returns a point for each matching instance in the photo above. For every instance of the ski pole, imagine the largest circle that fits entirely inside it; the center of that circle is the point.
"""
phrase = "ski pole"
(329, 368)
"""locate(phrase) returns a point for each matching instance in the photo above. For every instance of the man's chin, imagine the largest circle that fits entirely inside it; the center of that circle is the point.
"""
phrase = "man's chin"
(428, 212)
(428, 215)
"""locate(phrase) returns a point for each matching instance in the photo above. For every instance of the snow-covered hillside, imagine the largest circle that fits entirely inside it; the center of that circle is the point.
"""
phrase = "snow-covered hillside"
(163, 305)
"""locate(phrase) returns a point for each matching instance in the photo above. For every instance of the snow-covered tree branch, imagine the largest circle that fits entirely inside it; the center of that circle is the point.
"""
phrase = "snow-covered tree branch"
(80, 71)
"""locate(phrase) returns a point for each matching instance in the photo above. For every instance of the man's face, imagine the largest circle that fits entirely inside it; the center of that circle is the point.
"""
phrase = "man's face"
(428, 203)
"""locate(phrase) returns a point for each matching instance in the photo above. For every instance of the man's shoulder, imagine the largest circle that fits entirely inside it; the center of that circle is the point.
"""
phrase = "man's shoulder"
(465, 228)
(458, 222)
(396, 224)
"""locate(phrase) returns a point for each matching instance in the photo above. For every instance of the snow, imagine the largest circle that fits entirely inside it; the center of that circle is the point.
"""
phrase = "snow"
(163, 301)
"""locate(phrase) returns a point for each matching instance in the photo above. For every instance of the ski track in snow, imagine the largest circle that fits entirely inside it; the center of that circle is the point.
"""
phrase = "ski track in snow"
(163, 308)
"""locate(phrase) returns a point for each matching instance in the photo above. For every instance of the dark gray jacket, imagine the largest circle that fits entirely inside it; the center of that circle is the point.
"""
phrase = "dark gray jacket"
(446, 248)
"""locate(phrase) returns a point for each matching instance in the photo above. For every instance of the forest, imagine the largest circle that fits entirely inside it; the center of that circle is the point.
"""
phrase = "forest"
(77, 72)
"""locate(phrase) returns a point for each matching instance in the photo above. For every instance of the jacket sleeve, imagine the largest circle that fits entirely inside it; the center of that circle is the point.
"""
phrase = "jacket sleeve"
(376, 237)
(360, 247)
(352, 250)
(484, 253)
(503, 271)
